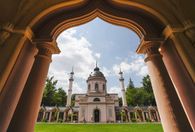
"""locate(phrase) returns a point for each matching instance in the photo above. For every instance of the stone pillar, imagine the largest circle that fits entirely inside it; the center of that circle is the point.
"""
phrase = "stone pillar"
(57, 116)
(11, 48)
(43, 118)
(150, 116)
(135, 115)
(121, 118)
(64, 117)
(144, 120)
(182, 81)
(147, 115)
(129, 116)
(50, 116)
(71, 118)
(170, 109)
(27, 109)
(12, 90)
(184, 45)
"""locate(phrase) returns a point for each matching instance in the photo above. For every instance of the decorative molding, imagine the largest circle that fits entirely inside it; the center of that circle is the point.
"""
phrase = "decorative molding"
(148, 45)
(46, 46)
(188, 30)
(27, 32)
(121, 21)
(150, 48)
(5, 31)
(169, 31)
(140, 5)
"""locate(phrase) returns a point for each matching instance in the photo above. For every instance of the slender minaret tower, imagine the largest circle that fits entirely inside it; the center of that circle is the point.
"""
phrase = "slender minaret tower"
(121, 79)
(71, 79)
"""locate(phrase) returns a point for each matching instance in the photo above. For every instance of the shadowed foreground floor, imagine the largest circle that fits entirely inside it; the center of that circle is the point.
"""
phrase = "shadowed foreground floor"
(148, 127)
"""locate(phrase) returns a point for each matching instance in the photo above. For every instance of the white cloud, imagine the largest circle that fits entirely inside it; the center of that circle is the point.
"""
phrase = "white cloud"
(77, 88)
(137, 66)
(98, 55)
(75, 52)
(106, 71)
(115, 89)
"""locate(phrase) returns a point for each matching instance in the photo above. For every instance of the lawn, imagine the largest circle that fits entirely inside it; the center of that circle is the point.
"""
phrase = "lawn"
(149, 127)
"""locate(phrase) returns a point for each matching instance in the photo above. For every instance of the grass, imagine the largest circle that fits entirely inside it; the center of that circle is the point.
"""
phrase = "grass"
(148, 127)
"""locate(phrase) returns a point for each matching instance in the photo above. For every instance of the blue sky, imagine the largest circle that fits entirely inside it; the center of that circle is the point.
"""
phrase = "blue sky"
(112, 46)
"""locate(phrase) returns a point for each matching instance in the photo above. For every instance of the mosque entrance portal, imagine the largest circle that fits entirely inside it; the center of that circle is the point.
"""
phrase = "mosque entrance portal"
(96, 115)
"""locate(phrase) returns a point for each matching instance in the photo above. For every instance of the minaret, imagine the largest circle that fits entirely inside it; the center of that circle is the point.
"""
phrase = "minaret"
(121, 79)
(71, 79)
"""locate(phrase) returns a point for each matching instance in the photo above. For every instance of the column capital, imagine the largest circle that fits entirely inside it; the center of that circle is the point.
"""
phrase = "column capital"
(147, 46)
(150, 48)
(46, 47)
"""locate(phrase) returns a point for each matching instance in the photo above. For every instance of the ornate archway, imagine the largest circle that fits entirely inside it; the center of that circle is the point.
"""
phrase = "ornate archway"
(41, 31)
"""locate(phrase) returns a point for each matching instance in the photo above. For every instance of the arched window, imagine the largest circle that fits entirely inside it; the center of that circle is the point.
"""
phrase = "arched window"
(96, 100)
(96, 86)
(89, 86)
(104, 87)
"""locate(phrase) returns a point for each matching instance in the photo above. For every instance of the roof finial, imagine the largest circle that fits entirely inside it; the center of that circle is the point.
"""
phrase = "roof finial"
(72, 68)
(72, 72)
(120, 72)
(96, 63)
(96, 67)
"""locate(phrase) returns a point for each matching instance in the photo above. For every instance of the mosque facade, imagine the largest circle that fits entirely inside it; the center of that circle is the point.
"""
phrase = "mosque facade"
(97, 105)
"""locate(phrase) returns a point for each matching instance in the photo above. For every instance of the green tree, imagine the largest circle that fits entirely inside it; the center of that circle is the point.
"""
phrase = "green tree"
(146, 82)
(142, 95)
(53, 96)
(49, 92)
(72, 99)
(60, 97)
(136, 96)
(130, 85)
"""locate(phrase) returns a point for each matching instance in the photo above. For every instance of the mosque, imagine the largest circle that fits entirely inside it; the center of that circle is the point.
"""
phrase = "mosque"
(97, 105)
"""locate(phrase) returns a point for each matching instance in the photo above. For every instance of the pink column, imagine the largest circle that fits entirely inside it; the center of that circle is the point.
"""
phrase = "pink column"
(184, 85)
(57, 116)
(50, 115)
(171, 112)
(64, 117)
(144, 120)
(129, 116)
(26, 113)
(14, 85)
(135, 115)
(150, 116)
(43, 117)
